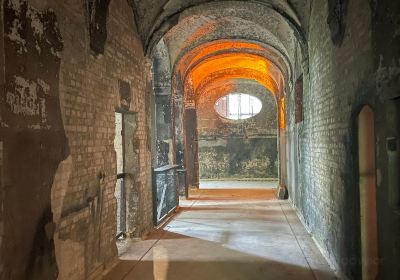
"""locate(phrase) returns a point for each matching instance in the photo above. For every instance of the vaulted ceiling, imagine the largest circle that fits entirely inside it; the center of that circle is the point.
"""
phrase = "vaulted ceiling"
(222, 42)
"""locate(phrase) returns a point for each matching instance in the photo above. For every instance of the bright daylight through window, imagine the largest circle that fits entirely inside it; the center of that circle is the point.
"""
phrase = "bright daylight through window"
(238, 106)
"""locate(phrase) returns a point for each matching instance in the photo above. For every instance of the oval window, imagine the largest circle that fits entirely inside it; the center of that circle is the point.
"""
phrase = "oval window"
(238, 106)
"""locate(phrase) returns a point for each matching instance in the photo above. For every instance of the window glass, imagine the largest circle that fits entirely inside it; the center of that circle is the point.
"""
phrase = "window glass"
(238, 106)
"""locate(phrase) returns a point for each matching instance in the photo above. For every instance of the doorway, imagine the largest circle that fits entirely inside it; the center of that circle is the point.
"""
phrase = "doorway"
(127, 162)
(367, 187)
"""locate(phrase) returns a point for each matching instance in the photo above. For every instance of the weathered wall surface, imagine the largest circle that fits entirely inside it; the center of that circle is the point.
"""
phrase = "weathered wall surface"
(61, 67)
(57, 132)
(343, 77)
(384, 95)
(33, 136)
(237, 149)
(163, 154)
(164, 144)
(325, 199)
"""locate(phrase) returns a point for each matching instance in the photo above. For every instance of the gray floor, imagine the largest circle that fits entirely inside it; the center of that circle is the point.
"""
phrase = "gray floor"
(231, 184)
(225, 240)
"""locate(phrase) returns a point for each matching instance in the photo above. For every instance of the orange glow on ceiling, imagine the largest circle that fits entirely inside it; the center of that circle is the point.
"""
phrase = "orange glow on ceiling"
(232, 74)
(226, 60)
(220, 90)
(235, 65)
(224, 46)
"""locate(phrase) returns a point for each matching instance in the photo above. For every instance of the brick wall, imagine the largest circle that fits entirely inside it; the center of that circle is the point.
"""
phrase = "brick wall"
(80, 183)
(89, 98)
(320, 189)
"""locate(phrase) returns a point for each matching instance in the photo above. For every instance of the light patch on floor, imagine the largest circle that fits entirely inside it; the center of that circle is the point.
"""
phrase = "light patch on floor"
(226, 240)
(237, 184)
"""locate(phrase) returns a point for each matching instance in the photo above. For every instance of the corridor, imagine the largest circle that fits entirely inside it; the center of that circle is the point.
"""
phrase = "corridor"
(225, 240)
(199, 139)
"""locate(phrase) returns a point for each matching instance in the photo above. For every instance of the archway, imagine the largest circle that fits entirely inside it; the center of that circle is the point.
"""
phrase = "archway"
(210, 72)
(207, 45)
(237, 151)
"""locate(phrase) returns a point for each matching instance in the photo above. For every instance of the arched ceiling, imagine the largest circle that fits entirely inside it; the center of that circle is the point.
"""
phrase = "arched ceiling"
(224, 48)
(237, 73)
(211, 42)
(244, 20)
(156, 17)
(227, 60)
(233, 66)
(223, 28)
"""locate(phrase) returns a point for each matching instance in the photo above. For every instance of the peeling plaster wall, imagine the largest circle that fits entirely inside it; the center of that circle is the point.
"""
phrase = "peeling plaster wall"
(57, 133)
(237, 149)
(33, 138)
(57, 103)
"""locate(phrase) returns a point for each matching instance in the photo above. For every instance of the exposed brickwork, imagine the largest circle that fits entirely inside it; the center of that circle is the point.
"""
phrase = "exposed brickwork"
(66, 71)
(335, 74)
(89, 97)
(82, 193)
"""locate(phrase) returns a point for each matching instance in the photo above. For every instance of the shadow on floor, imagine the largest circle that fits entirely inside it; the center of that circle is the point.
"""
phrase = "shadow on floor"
(180, 257)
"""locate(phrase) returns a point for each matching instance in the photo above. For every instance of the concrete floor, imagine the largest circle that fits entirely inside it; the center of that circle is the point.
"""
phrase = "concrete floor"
(225, 240)
(232, 184)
